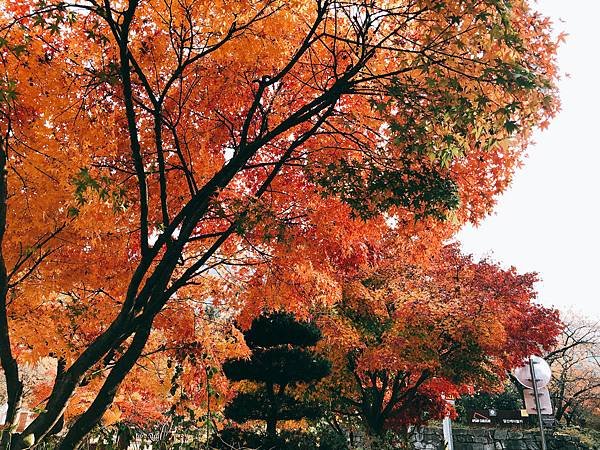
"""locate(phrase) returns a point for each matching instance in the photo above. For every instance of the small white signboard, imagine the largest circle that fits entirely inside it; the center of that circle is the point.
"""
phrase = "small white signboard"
(3, 411)
(543, 373)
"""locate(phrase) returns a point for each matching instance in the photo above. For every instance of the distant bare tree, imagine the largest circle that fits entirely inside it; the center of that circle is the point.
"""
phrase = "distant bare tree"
(31, 376)
(575, 385)
(2, 391)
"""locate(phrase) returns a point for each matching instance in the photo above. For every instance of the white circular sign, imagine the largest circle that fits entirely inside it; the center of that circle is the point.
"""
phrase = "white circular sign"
(543, 374)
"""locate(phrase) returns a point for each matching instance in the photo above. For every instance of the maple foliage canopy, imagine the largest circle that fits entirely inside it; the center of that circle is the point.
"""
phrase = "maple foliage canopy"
(155, 155)
(405, 335)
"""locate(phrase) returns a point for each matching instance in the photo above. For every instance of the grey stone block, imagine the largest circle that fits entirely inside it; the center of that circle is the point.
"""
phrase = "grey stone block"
(500, 435)
(516, 444)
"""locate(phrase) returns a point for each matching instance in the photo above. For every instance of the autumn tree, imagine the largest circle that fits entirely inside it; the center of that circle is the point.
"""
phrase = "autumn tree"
(405, 335)
(35, 193)
(281, 360)
(156, 155)
(575, 364)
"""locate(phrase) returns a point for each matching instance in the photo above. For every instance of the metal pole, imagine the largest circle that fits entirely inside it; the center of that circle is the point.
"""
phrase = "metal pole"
(207, 407)
(537, 402)
(447, 427)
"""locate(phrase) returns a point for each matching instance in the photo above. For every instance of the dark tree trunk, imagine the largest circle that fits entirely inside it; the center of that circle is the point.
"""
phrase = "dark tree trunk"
(105, 397)
(375, 423)
(272, 413)
(14, 386)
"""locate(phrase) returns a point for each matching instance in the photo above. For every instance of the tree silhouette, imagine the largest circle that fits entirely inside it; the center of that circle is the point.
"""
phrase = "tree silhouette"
(280, 360)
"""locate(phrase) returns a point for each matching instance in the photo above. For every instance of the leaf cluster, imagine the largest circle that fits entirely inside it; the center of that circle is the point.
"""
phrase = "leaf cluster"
(255, 405)
(279, 365)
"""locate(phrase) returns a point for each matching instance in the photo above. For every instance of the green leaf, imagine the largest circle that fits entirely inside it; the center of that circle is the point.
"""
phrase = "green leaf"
(511, 126)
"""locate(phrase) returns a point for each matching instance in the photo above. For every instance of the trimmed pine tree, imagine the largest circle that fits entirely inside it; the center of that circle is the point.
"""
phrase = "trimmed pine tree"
(281, 359)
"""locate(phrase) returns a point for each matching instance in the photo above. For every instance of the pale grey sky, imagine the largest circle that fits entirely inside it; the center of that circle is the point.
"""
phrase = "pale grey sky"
(549, 220)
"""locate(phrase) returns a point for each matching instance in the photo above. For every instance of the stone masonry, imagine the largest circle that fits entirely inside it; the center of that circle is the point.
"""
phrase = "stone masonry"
(498, 439)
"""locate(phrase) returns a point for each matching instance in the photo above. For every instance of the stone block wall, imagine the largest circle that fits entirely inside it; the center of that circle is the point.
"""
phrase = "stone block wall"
(494, 439)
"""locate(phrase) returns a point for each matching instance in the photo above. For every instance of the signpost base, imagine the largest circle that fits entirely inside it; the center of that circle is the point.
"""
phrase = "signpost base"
(447, 427)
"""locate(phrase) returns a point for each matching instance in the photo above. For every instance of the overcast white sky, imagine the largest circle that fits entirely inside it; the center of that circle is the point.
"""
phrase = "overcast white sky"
(549, 221)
